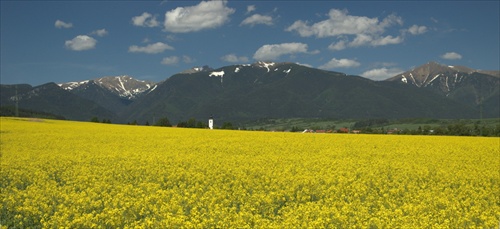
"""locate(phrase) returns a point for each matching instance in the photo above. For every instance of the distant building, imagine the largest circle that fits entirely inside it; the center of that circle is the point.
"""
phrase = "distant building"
(343, 130)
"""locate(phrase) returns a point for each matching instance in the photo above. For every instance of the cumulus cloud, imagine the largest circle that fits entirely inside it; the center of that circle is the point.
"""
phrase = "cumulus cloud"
(205, 15)
(274, 51)
(174, 60)
(81, 43)
(340, 63)
(340, 23)
(381, 73)
(352, 31)
(232, 58)
(451, 56)
(145, 20)
(100, 32)
(416, 30)
(63, 25)
(365, 39)
(251, 8)
(257, 19)
(340, 45)
(157, 47)
(387, 40)
(171, 60)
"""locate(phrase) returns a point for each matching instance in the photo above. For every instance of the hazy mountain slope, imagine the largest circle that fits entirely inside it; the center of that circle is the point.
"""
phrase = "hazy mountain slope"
(53, 99)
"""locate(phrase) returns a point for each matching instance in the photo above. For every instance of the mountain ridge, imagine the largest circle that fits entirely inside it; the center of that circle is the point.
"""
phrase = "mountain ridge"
(469, 86)
(281, 90)
(424, 75)
(51, 98)
(267, 89)
(124, 86)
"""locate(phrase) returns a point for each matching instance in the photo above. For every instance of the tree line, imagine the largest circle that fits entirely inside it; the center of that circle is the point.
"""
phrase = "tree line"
(165, 122)
(365, 126)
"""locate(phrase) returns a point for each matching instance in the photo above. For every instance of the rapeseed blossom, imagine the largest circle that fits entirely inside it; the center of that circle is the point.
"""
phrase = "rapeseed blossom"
(86, 175)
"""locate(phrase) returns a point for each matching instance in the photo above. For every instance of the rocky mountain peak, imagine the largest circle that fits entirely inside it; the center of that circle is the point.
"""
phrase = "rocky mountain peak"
(125, 86)
(426, 74)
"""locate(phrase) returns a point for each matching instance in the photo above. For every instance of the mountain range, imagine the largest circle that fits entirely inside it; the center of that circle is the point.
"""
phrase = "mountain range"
(268, 90)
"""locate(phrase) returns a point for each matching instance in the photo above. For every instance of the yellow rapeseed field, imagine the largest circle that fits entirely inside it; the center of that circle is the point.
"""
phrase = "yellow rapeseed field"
(57, 174)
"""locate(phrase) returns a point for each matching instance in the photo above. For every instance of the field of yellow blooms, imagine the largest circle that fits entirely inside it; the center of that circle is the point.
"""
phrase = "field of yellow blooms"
(58, 174)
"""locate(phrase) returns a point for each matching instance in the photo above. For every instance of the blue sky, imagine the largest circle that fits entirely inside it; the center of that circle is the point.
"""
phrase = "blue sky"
(64, 41)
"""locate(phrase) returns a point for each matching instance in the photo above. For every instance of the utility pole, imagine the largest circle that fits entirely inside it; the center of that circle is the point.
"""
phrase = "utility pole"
(17, 104)
(480, 116)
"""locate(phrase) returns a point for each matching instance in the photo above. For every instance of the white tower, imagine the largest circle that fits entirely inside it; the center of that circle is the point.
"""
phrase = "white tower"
(211, 123)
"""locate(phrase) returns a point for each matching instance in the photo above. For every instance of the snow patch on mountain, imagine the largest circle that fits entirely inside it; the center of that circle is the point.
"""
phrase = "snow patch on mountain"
(266, 65)
(403, 78)
(413, 79)
(121, 84)
(218, 74)
(445, 79)
(72, 85)
(124, 86)
(269, 66)
(152, 89)
(435, 77)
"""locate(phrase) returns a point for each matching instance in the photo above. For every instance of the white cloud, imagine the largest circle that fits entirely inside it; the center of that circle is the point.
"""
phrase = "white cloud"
(384, 64)
(81, 43)
(274, 51)
(353, 31)
(251, 8)
(145, 20)
(451, 56)
(307, 65)
(157, 47)
(365, 39)
(338, 46)
(100, 32)
(341, 63)
(171, 60)
(187, 59)
(205, 15)
(171, 37)
(387, 40)
(232, 58)
(257, 19)
(314, 52)
(340, 23)
(381, 73)
(60, 24)
(416, 30)
(360, 40)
